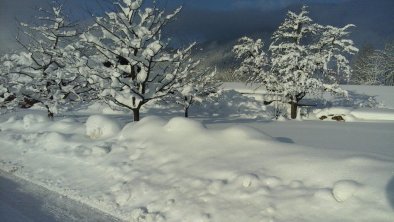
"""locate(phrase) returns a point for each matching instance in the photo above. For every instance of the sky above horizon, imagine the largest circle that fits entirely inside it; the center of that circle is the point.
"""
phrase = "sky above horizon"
(216, 20)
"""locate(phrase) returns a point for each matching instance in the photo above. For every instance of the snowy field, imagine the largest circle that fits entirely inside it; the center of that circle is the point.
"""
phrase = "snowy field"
(228, 162)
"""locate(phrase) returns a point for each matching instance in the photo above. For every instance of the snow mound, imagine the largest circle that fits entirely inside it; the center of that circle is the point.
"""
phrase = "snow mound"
(245, 132)
(350, 114)
(31, 119)
(248, 180)
(99, 108)
(98, 127)
(146, 126)
(344, 189)
(182, 125)
(231, 103)
(178, 170)
(374, 114)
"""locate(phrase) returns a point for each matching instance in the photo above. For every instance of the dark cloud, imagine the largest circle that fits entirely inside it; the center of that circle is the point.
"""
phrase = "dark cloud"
(207, 25)
(224, 20)
(374, 20)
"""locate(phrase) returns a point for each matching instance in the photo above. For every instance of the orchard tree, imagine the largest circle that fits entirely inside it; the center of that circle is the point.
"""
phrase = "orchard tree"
(194, 85)
(7, 97)
(49, 70)
(255, 63)
(304, 58)
(134, 64)
(308, 58)
(11, 82)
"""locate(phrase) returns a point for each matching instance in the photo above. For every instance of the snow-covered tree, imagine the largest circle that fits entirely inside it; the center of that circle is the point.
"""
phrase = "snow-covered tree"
(6, 96)
(10, 85)
(366, 67)
(254, 61)
(307, 58)
(374, 67)
(49, 70)
(194, 85)
(331, 52)
(387, 61)
(134, 64)
(304, 58)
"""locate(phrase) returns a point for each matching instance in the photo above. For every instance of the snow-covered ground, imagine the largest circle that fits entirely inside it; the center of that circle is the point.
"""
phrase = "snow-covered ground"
(229, 162)
(22, 201)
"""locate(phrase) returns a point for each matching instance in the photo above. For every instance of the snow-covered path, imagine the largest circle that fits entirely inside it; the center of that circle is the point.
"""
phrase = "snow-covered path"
(22, 201)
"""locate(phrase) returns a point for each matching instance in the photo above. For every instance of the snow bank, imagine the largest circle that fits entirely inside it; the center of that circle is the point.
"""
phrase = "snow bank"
(383, 95)
(231, 103)
(344, 189)
(351, 114)
(374, 114)
(178, 170)
(372, 103)
(98, 127)
(37, 121)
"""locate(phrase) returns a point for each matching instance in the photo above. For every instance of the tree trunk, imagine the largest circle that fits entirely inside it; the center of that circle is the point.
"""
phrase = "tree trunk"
(186, 112)
(50, 114)
(136, 114)
(294, 107)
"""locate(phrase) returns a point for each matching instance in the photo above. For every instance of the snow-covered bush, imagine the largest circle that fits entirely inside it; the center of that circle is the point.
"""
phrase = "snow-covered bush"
(98, 126)
(134, 64)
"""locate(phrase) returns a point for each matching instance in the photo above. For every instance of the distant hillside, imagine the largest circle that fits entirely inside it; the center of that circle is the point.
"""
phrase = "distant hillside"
(219, 55)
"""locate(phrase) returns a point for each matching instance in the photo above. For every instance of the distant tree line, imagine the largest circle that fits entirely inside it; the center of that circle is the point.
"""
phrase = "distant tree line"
(374, 67)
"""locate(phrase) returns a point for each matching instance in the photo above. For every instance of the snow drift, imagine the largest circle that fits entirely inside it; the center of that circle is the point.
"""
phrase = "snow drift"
(178, 170)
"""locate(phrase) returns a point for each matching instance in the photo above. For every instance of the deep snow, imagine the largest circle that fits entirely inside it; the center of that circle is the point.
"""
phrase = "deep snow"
(229, 164)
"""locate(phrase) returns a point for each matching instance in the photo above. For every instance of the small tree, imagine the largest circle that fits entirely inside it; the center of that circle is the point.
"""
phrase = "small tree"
(194, 85)
(49, 71)
(305, 58)
(134, 64)
(308, 58)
